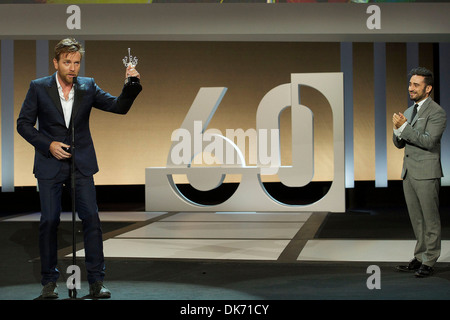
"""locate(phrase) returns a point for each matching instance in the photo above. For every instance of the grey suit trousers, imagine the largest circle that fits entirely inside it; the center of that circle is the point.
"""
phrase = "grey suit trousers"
(422, 199)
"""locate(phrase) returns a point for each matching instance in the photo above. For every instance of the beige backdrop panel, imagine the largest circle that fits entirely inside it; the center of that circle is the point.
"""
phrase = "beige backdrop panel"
(173, 72)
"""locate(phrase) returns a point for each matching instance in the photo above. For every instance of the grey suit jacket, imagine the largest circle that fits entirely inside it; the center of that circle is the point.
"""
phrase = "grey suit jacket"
(422, 141)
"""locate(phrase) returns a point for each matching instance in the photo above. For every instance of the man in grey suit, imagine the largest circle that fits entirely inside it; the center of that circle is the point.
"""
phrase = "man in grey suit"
(419, 131)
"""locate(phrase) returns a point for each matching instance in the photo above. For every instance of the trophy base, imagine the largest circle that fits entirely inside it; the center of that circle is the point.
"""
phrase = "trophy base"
(132, 80)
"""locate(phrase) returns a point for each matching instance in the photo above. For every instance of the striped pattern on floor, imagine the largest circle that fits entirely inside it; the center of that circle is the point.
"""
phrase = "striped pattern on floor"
(238, 236)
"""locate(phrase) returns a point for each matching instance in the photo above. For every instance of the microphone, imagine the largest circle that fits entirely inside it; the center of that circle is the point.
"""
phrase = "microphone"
(72, 147)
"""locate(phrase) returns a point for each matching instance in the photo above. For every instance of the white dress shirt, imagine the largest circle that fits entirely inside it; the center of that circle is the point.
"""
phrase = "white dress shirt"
(66, 104)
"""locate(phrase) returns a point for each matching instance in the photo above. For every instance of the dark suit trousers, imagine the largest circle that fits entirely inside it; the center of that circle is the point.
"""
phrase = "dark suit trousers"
(50, 192)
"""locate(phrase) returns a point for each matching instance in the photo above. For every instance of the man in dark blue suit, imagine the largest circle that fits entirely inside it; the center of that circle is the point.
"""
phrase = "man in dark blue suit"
(56, 103)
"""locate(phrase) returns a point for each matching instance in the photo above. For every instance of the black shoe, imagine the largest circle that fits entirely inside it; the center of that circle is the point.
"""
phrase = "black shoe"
(99, 291)
(50, 291)
(413, 265)
(424, 271)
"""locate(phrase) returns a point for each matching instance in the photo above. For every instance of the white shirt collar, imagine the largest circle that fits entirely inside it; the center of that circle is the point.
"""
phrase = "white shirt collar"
(61, 94)
(420, 103)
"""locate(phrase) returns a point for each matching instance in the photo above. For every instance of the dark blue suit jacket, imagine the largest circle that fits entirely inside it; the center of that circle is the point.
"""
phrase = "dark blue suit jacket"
(43, 104)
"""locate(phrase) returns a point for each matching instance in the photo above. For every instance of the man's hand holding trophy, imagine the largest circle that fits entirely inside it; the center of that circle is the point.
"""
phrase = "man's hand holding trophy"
(131, 74)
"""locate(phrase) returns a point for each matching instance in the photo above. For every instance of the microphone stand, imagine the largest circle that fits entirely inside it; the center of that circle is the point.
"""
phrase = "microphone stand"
(73, 291)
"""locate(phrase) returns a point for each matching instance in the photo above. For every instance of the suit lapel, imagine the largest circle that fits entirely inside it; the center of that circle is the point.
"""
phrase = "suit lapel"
(52, 90)
(422, 110)
(78, 97)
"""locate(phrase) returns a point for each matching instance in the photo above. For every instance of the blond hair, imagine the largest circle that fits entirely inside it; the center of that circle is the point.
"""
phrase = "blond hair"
(68, 45)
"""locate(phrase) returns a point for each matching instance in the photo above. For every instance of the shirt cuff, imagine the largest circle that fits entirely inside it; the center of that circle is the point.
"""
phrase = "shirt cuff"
(399, 131)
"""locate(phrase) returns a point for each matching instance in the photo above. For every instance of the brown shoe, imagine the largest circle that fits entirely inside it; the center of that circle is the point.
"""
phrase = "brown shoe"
(49, 291)
(99, 291)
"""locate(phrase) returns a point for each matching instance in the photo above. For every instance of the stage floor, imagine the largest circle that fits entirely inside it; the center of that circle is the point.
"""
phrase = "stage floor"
(261, 236)
(211, 255)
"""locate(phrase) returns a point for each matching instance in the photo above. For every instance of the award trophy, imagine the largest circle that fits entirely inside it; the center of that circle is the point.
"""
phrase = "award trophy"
(130, 61)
